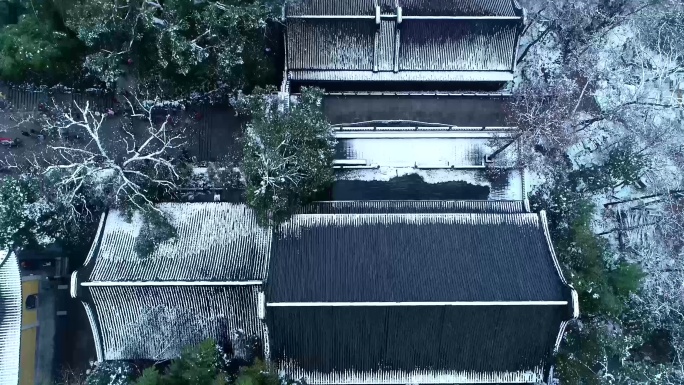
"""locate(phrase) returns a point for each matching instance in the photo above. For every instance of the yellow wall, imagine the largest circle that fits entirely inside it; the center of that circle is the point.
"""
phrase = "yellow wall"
(27, 363)
(29, 334)
(29, 317)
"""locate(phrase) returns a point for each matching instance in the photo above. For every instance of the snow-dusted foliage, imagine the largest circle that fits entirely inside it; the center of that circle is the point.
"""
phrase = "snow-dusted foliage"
(544, 113)
(111, 373)
(622, 63)
(180, 46)
(207, 363)
(26, 217)
(288, 152)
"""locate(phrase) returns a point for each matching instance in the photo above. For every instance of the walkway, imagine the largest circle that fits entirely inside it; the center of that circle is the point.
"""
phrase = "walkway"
(465, 111)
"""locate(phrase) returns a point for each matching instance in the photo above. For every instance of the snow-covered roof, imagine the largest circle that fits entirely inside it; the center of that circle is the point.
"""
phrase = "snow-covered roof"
(157, 322)
(215, 242)
(406, 40)
(493, 257)
(410, 7)
(203, 284)
(10, 318)
(438, 156)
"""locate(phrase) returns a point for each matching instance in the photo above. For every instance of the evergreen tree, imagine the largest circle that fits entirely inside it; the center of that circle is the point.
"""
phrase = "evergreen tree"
(288, 153)
(178, 46)
(27, 219)
(35, 45)
(111, 373)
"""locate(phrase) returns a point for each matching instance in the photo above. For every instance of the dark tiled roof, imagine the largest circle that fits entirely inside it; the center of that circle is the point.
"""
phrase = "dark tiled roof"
(457, 45)
(413, 207)
(389, 77)
(390, 50)
(216, 242)
(330, 7)
(413, 257)
(464, 111)
(458, 8)
(330, 44)
(424, 45)
(157, 322)
(410, 7)
(371, 344)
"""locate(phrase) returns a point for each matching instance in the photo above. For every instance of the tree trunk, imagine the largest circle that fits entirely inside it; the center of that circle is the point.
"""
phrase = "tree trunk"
(535, 41)
(670, 192)
(630, 228)
(505, 146)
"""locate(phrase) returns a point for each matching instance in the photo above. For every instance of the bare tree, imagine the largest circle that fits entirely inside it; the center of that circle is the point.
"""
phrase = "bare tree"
(117, 160)
(544, 113)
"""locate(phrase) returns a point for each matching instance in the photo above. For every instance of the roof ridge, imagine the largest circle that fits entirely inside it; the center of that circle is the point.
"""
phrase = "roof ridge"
(417, 303)
(413, 214)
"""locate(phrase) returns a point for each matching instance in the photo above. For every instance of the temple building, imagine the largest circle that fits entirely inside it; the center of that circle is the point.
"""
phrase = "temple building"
(424, 266)
(370, 292)
(401, 41)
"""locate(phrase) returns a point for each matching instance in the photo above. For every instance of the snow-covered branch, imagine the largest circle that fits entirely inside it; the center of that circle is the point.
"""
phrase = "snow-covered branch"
(120, 160)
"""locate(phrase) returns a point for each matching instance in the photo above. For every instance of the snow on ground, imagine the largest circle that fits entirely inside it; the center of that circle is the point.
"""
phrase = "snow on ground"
(199, 171)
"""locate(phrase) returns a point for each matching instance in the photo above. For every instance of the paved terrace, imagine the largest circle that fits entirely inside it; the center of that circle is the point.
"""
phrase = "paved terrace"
(211, 130)
(465, 111)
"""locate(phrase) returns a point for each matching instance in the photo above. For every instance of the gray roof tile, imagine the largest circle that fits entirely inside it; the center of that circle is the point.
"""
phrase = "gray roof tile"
(413, 257)
(404, 345)
(414, 207)
(421, 45)
(10, 317)
(156, 323)
(216, 242)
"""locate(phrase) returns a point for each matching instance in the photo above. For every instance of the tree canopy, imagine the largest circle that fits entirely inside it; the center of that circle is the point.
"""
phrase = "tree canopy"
(288, 153)
(26, 218)
(203, 364)
(177, 46)
(35, 45)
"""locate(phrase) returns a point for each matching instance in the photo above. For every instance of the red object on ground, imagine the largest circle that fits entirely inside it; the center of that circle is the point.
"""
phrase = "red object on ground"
(130, 61)
(6, 140)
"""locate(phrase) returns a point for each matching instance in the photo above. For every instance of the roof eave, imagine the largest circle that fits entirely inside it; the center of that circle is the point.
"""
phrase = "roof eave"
(10, 326)
(415, 377)
(313, 75)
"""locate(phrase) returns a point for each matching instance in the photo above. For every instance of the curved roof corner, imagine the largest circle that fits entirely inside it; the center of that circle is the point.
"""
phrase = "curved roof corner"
(73, 285)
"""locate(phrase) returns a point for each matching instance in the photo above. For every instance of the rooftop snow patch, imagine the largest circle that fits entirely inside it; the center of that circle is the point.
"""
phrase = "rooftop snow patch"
(216, 242)
(435, 157)
(157, 323)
